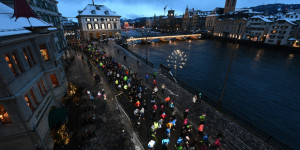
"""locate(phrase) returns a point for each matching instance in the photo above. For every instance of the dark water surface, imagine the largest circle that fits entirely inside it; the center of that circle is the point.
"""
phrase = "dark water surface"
(263, 85)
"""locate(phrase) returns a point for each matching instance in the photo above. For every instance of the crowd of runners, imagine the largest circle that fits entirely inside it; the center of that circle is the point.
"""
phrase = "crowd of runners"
(146, 90)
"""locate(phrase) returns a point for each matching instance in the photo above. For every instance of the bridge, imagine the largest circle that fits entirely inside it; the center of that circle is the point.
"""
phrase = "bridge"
(165, 38)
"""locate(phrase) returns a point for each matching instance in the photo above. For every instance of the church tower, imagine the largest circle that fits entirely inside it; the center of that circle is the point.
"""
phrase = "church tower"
(229, 6)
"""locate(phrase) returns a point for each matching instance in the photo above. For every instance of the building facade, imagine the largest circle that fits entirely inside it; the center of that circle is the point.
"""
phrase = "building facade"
(194, 20)
(280, 31)
(32, 80)
(47, 11)
(257, 28)
(98, 22)
(210, 19)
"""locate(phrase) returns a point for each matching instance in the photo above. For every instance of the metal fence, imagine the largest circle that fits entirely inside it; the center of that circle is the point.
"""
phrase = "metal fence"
(137, 56)
(274, 142)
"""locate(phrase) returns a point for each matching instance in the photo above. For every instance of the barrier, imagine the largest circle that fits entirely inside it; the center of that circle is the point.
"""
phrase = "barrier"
(274, 142)
(137, 56)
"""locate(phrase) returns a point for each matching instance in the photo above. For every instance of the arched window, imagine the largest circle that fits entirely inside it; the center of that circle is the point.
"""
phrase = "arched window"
(4, 117)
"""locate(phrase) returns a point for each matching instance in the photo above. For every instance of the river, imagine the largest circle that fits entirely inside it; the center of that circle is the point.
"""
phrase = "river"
(263, 85)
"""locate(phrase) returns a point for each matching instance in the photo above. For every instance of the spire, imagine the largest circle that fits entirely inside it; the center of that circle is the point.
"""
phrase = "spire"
(93, 2)
(22, 9)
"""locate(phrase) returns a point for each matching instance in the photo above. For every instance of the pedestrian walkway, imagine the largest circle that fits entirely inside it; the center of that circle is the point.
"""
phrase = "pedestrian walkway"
(217, 122)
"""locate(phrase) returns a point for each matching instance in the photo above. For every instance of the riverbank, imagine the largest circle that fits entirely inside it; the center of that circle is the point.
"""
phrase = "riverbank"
(235, 135)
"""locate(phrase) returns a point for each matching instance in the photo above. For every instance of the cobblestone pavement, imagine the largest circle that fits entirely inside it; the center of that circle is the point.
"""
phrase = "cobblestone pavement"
(110, 121)
(234, 136)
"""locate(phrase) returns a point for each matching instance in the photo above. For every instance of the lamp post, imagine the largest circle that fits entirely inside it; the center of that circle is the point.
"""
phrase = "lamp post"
(177, 60)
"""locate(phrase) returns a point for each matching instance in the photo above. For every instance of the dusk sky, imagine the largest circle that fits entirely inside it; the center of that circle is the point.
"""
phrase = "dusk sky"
(139, 8)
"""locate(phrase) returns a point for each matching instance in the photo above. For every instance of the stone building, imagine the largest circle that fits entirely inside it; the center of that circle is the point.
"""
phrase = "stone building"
(32, 80)
(47, 11)
(167, 24)
(232, 23)
(257, 28)
(194, 20)
(280, 32)
(98, 22)
(210, 19)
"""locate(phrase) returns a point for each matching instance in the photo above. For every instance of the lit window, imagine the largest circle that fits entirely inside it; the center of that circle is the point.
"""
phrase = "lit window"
(109, 26)
(89, 26)
(108, 19)
(96, 26)
(54, 80)
(88, 19)
(103, 26)
(4, 117)
(26, 57)
(10, 65)
(28, 102)
(33, 97)
(274, 31)
(44, 52)
(95, 19)
(16, 61)
(114, 19)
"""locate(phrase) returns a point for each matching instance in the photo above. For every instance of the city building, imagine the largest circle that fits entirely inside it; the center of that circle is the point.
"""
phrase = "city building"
(257, 28)
(47, 11)
(32, 80)
(280, 32)
(98, 22)
(210, 19)
(232, 23)
(168, 24)
(194, 20)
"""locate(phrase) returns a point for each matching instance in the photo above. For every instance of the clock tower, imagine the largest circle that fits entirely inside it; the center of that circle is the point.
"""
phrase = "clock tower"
(229, 6)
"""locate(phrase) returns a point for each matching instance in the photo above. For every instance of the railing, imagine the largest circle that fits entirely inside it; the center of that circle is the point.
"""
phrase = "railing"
(137, 56)
(274, 142)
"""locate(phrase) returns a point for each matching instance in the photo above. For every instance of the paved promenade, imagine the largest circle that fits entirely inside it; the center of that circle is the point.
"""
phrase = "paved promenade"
(234, 136)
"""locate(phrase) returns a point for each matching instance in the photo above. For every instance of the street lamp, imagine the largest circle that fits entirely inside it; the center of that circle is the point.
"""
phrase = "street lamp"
(177, 60)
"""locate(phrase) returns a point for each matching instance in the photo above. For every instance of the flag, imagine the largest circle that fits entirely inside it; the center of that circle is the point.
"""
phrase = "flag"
(22, 9)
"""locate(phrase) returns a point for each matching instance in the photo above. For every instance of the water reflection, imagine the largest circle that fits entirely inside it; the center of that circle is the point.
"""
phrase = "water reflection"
(258, 55)
(291, 56)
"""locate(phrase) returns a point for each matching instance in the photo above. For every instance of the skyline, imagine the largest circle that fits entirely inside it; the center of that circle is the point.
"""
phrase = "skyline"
(131, 9)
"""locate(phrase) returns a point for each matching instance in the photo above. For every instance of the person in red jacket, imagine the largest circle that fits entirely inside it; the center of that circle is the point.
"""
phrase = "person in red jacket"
(137, 104)
(154, 107)
(154, 82)
(163, 115)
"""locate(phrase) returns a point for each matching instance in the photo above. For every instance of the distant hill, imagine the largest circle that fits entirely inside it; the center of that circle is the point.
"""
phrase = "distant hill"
(271, 9)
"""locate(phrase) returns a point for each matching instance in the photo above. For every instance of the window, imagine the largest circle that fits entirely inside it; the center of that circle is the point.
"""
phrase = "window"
(96, 26)
(40, 89)
(33, 97)
(54, 80)
(10, 65)
(95, 19)
(102, 19)
(109, 26)
(30, 54)
(274, 31)
(89, 26)
(4, 117)
(115, 19)
(44, 52)
(16, 61)
(107, 19)
(115, 26)
(102, 26)
(28, 102)
(43, 85)
(88, 19)
(26, 57)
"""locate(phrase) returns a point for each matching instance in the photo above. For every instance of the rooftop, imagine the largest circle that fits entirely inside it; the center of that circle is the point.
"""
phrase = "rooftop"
(97, 10)
(13, 26)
